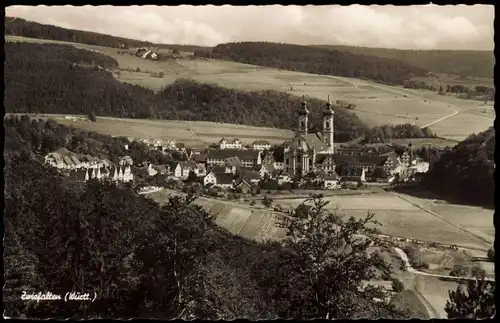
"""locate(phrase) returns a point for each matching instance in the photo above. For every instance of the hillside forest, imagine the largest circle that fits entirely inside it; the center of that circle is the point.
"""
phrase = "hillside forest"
(52, 78)
(149, 261)
(465, 173)
(461, 62)
(316, 61)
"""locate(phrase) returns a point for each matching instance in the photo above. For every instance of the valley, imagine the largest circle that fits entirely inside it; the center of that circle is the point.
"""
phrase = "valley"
(376, 104)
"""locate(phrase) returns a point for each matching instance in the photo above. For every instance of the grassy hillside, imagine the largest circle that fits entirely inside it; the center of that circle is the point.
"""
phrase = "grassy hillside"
(20, 27)
(49, 78)
(316, 61)
(462, 62)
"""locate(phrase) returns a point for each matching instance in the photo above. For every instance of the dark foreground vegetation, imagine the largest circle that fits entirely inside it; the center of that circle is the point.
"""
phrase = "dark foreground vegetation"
(462, 62)
(465, 174)
(313, 60)
(143, 260)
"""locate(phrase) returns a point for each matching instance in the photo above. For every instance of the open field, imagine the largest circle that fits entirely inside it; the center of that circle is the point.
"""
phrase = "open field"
(435, 292)
(398, 218)
(191, 133)
(408, 300)
(442, 260)
(474, 219)
(376, 104)
(459, 126)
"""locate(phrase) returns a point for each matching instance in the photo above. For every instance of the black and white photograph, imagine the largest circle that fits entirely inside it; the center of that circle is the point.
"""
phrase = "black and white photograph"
(259, 162)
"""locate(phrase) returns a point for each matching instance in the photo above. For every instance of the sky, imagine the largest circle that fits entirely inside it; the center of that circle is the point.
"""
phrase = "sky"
(403, 27)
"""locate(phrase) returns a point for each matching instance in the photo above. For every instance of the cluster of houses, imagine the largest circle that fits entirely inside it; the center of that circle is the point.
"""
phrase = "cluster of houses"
(85, 167)
(306, 158)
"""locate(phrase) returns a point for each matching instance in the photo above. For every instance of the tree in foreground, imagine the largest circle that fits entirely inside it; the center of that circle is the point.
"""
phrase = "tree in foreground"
(475, 301)
(328, 266)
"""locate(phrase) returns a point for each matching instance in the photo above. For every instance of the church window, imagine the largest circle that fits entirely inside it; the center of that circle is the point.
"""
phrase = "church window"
(302, 124)
(327, 124)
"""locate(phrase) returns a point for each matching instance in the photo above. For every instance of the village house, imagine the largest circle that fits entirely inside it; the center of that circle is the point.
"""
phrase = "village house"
(199, 158)
(248, 158)
(120, 174)
(230, 143)
(284, 178)
(175, 169)
(151, 170)
(126, 160)
(252, 177)
(330, 181)
(353, 176)
(261, 145)
(243, 186)
(266, 169)
(222, 180)
(233, 163)
(63, 159)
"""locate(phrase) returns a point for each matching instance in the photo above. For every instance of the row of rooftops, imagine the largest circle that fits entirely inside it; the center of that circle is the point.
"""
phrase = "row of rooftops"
(72, 159)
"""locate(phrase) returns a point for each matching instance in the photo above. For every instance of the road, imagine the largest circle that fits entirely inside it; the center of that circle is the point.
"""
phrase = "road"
(432, 312)
(439, 120)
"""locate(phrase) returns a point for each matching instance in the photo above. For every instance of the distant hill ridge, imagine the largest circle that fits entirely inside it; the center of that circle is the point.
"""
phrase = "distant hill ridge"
(54, 78)
(21, 27)
(462, 62)
(316, 60)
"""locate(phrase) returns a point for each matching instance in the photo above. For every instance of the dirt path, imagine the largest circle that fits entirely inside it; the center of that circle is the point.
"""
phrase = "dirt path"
(439, 120)
(432, 312)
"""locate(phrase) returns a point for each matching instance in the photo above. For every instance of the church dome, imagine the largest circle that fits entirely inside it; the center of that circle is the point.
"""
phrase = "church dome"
(303, 108)
(328, 109)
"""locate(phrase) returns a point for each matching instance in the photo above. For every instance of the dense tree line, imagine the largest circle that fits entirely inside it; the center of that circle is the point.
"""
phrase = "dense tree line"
(20, 27)
(39, 78)
(316, 61)
(465, 173)
(478, 92)
(462, 62)
(168, 261)
(407, 130)
(44, 136)
(414, 84)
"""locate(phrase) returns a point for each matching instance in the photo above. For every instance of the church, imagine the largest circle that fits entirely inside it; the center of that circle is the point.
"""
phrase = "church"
(311, 151)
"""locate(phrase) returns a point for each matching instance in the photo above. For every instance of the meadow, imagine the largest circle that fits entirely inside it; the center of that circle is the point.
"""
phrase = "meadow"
(376, 104)
(396, 216)
(194, 134)
(435, 291)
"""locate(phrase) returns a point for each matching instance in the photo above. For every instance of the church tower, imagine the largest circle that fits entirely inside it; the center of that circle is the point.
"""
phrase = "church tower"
(303, 118)
(328, 126)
